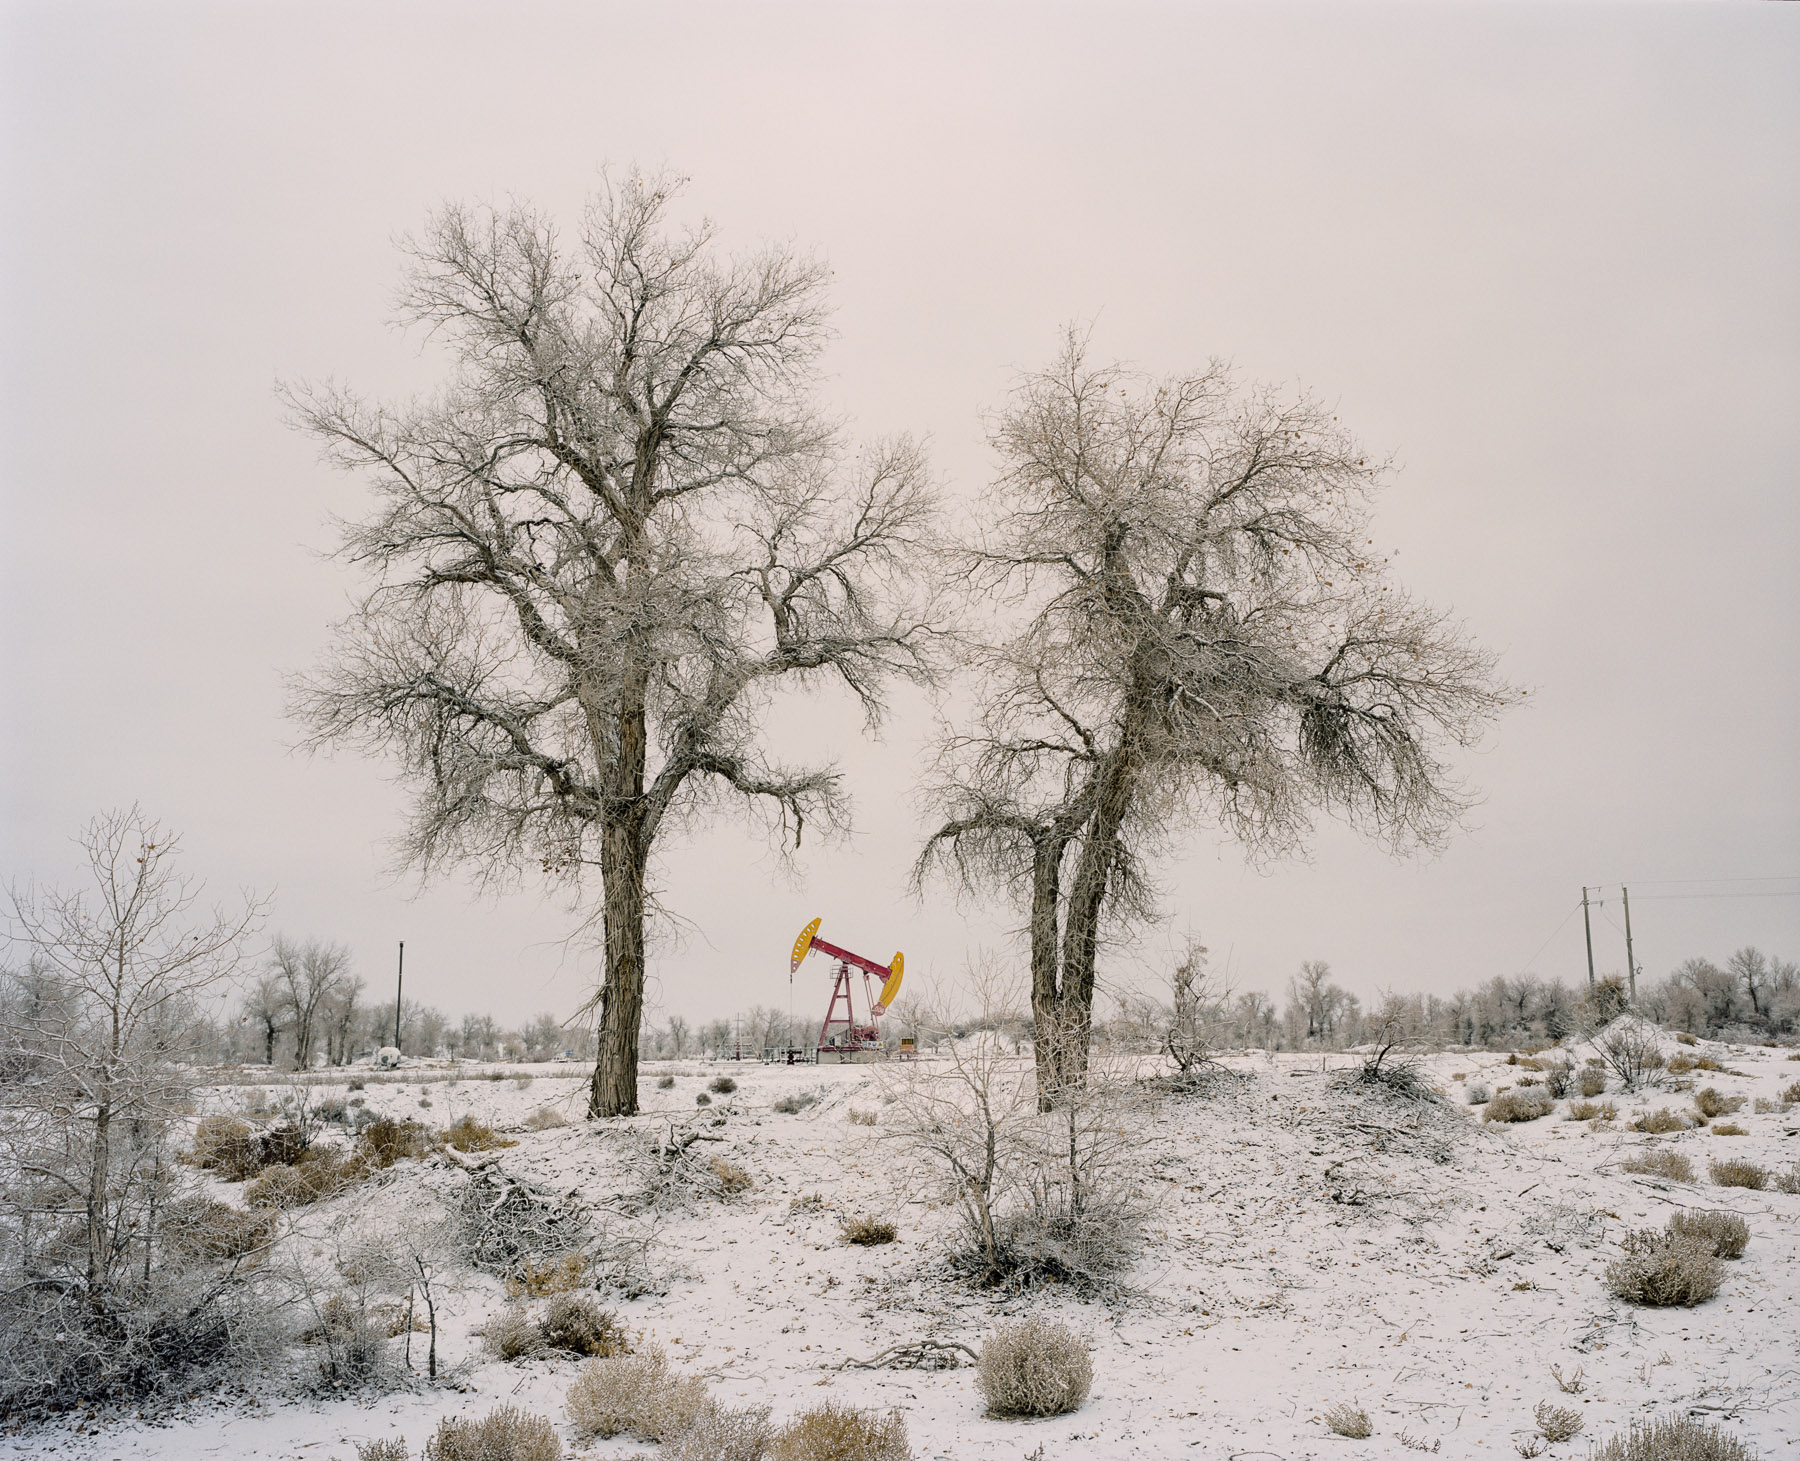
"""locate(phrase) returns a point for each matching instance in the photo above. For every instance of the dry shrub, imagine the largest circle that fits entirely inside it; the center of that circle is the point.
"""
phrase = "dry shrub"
(510, 1334)
(724, 1434)
(1673, 1438)
(861, 1118)
(470, 1135)
(1592, 1111)
(1735, 1173)
(1725, 1233)
(1525, 1104)
(637, 1395)
(545, 1118)
(535, 1280)
(794, 1103)
(703, 1099)
(721, 1085)
(833, 1432)
(225, 1145)
(576, 1324)
(1715, 1103)
(868, 1232)
(391, 1448)
(1680, 1064)
(1632, 1052)
(1790, 1095)
(1034, 1366)
(1478, 1093)
(324, 1173)
(665, 1083)
(200, 1230)
(522, 1081)
(1591, 1081)
(1684, 1038)
(1706, 1062)
(1349, 1420)
(732, 1179)
(1663, 1120)
(505, 1434)
(386, 1141)
(1728, 1128)
(1556, 1423)
(1655, 1163)
(1660, 1270)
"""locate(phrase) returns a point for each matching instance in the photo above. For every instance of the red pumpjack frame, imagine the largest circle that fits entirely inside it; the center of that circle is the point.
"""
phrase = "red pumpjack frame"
(855, 1037)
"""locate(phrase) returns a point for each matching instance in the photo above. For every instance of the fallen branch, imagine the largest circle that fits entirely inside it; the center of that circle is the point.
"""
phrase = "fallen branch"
(918, 1354)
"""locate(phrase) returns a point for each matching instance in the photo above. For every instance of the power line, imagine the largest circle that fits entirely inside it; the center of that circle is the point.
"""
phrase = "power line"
(1680, 897)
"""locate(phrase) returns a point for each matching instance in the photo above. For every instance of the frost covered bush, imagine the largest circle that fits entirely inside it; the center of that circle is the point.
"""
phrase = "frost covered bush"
(665, 1083)
(1725, 1233)
(227, 1146)
(1715, 1103)
(199, 1229)
(1673, 1438)
(505, 1434)
(1788, 1179)
(1728, 1128)
(1348, 1420)
(1591, 1081)
(387, 1141)
(721, 1085)
(1633, 1053)
(794, 1103)
(1661, 1270)
(1556, 1423)
(861, 1118)
(576, 1324)
(1524, 1104)
(1478, 1093)
(1656, 1163)
(535, 1280)
(637, 1395)
(1734, 1173)
(1592, 1111)
(323, 1172)
(721, 1433)
(833, 1432)
(545, 1118)
(1034, 1366)
(511, 1334)
(390, 1448)
(731, 1178)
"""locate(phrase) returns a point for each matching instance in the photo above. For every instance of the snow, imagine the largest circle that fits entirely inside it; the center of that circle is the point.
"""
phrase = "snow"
(1308, 1246)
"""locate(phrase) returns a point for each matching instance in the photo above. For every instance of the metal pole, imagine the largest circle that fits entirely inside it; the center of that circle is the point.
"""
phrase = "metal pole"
(400, 983)
(1588, 928)
(1630, 963)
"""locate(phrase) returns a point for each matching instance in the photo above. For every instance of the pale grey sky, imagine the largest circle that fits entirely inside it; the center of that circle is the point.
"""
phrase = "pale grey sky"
(1549, 255)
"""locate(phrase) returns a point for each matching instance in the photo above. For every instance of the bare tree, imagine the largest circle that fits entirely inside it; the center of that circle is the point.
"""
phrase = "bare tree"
(599, 551)
(1752, 966)
(265, 1010)
(1199, 628)
(1316, 1001)
(1197, 1014)
(340, 1012)
(311, 973)
(122, 963)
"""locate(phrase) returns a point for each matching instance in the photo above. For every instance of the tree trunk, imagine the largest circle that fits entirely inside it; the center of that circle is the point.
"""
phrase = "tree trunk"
(100, 1170)
(614, 1088)
(1045, 895)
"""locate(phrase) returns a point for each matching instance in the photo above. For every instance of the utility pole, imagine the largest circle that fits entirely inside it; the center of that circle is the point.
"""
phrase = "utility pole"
(1630, 963)
(1588, 928)
(400, 981)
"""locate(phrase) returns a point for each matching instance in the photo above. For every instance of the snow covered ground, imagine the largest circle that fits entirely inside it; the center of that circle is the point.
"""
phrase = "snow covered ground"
(1308, 1246)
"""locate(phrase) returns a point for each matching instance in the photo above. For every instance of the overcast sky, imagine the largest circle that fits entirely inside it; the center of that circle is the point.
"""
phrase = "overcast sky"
(1548, 255)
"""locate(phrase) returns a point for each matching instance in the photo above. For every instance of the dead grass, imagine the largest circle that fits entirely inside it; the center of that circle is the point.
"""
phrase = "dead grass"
(1716, 1103)
(1525, 1104)
(1790, 1095)
(389, 1448)
(1591, 1081)
(1673, 1438)
(861, 1118)
(545, 1118)
(470, 1135)
(505, 1434)
(388, 1141)
(1556, 1423)
(833, 1432)
(1658, 1270)
(1728, 1128)
(1349, 1420)
(203, 1230)
(225, 1145)
(1788, 1179)
(1034, 1366)
(793, 1103)
(1592, 1111)
(1663, 1120)
(1655, 1162)
(868, 1232)
(534, 1280)
(732, 1179)
(1735, 1173)
(324, 1173)
(1725, 1233)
